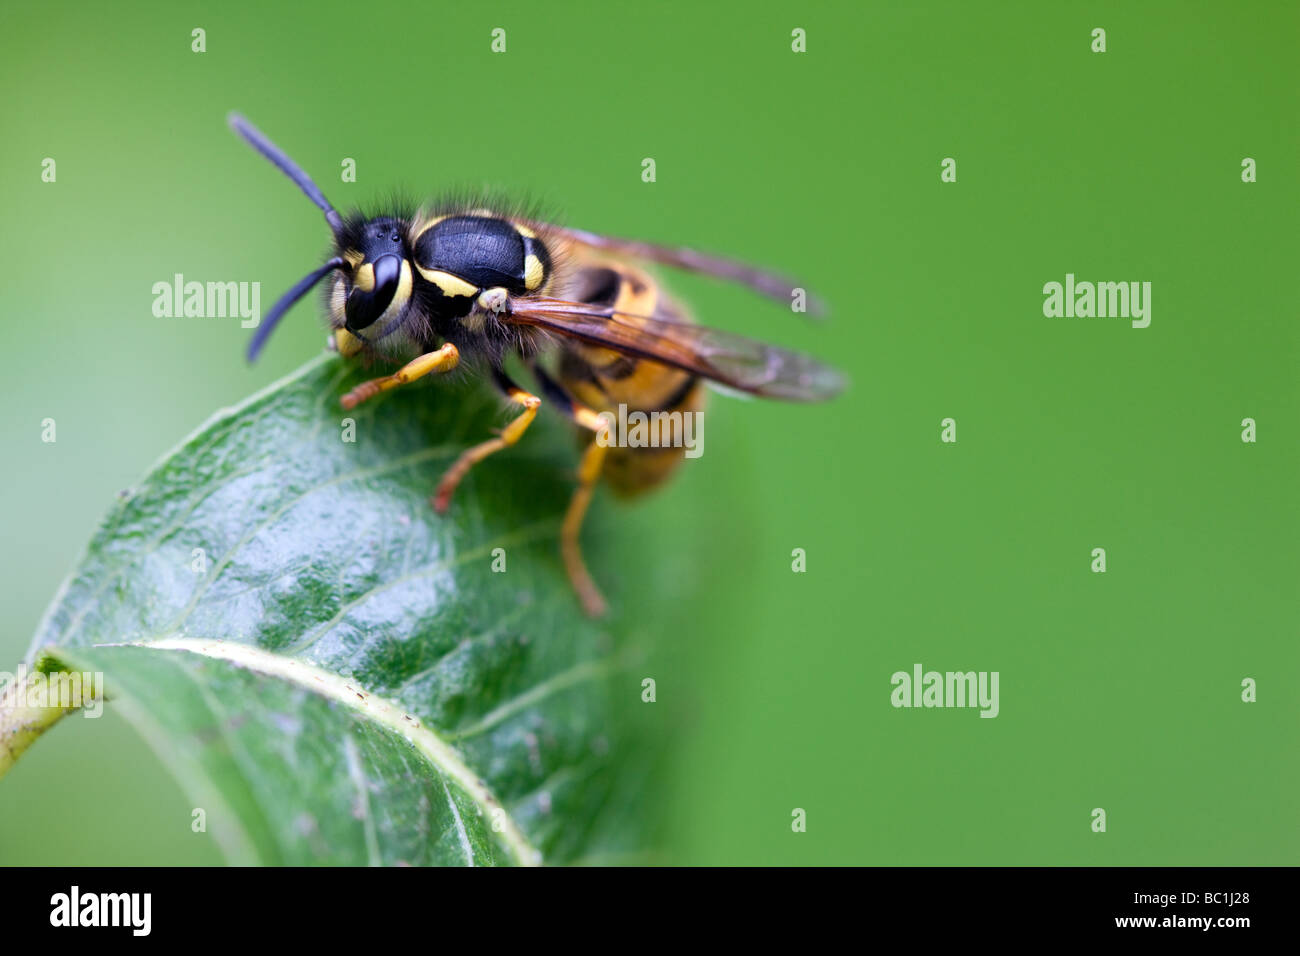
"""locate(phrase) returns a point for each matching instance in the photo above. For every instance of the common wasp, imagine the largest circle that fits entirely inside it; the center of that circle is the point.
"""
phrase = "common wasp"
(461, 283)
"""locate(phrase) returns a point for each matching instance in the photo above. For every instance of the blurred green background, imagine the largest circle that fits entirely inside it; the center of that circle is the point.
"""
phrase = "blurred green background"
(1118, 690)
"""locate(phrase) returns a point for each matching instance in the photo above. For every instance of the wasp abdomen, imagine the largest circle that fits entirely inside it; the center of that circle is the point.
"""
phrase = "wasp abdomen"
(609, 381)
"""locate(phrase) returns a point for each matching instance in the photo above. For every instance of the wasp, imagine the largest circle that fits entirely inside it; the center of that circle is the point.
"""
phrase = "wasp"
(456, 283)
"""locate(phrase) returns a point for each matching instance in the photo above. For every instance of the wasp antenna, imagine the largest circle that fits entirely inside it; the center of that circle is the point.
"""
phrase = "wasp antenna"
(278, 310)
(258, 140)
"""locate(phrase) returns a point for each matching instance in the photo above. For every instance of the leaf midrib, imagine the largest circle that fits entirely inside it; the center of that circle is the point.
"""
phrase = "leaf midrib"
(378, 710)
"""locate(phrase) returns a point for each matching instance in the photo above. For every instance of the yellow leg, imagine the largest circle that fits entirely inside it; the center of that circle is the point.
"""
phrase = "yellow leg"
(441, 360)
(589, 471)
(472, 456)
(593, 460)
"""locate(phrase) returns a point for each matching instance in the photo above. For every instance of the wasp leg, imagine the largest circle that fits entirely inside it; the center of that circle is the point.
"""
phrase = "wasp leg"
(589, 469)
(509, 435)
(593, 460)
(441, 360)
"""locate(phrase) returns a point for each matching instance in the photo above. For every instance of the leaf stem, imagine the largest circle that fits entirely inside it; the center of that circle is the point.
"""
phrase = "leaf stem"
(24, 715)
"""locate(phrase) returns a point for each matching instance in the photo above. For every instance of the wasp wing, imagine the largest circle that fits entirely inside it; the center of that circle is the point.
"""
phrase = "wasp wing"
(771, 284)
(731, 360)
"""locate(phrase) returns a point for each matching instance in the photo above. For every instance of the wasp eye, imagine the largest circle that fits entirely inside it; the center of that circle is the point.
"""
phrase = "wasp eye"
(366, 305)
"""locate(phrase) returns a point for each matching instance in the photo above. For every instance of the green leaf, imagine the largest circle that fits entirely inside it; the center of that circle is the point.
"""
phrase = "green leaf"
(335, 673)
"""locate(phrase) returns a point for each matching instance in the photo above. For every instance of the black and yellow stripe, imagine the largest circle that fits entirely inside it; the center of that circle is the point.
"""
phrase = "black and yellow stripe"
(604, 379)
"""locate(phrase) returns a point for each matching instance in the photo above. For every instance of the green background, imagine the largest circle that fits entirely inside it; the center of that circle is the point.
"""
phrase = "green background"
(1118, 690)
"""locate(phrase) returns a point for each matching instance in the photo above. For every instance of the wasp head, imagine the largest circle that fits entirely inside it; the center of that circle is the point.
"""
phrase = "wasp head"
(372, 292)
